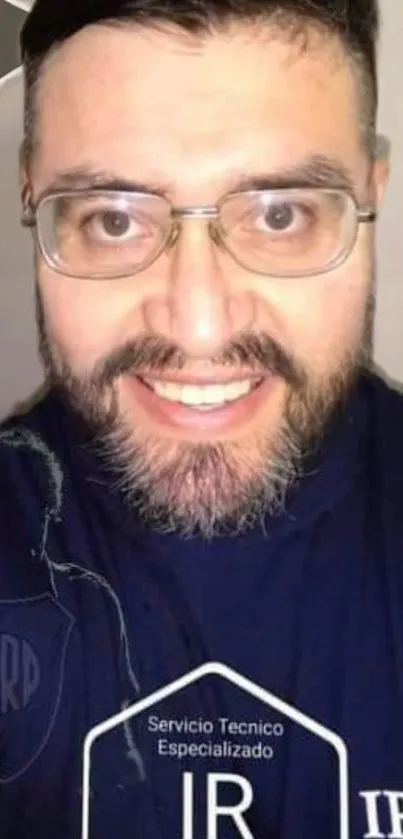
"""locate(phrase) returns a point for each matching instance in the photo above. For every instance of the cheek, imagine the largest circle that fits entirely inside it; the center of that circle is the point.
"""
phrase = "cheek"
(337, 324)
(320, 319)
(85, 319)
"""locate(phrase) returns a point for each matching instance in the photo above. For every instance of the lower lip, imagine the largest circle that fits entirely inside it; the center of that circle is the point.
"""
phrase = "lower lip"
(174, 415)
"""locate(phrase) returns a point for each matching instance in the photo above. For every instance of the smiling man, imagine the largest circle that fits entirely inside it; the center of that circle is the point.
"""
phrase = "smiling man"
(215, 471)
(214, 369)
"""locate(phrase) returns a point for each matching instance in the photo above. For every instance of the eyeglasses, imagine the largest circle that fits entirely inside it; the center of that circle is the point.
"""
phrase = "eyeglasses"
(100, 234)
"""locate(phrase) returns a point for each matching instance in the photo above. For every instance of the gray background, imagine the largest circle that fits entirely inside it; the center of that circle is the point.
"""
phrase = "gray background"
(20, 372)
(10, 22)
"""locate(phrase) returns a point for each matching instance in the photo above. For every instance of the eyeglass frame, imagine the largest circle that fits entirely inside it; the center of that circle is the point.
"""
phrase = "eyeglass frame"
(364, 214)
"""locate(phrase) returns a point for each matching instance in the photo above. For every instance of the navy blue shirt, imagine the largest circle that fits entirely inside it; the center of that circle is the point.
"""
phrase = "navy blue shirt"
(296, 728)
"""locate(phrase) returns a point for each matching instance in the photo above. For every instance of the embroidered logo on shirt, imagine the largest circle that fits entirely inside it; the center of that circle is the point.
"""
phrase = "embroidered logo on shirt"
(34, 636)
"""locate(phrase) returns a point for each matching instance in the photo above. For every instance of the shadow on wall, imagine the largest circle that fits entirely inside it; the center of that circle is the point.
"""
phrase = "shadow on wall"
(383, 147)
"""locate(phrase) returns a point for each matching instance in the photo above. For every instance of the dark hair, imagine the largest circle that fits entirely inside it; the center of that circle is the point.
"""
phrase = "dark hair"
(355, 22)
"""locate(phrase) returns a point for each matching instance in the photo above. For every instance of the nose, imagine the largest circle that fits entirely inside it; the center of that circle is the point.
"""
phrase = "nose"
(205, 306)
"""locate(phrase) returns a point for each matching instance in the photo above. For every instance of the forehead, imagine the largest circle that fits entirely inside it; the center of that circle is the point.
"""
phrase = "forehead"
(194, 112)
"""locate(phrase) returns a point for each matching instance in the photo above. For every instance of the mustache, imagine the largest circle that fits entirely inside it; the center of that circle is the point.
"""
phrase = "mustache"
(258, 353)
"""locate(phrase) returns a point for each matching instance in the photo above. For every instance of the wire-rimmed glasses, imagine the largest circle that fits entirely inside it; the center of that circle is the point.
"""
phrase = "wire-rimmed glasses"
(108, 234)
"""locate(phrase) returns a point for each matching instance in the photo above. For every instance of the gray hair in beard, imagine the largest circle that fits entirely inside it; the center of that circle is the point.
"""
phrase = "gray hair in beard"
(194, 488)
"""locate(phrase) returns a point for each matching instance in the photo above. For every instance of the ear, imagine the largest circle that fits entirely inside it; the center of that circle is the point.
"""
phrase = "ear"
(380, 170)
(24, 176)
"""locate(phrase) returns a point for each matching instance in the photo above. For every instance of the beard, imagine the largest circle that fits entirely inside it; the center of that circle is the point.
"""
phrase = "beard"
(206, 488)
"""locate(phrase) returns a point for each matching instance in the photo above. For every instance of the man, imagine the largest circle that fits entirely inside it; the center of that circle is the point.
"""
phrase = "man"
(215, 472)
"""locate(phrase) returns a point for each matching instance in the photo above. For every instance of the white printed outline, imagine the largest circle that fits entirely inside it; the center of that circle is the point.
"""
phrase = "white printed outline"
(219, 669)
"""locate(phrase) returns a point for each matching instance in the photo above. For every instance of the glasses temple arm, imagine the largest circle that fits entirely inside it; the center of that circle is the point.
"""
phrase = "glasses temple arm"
(367, 215)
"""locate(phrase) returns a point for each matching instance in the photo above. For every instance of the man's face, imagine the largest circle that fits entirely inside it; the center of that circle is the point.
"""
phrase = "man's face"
(197, 119)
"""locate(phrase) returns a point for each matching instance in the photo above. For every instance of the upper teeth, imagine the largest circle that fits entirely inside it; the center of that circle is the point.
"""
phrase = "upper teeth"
(201, 395)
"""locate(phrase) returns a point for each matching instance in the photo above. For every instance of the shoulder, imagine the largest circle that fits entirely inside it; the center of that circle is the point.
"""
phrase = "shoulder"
(31, 451)
(384, 402)
(28, 444)
(383, 464)
(29, 495)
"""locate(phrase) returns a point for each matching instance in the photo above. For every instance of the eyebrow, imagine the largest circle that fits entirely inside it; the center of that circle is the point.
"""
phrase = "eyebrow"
(82, 178)
(314, 172)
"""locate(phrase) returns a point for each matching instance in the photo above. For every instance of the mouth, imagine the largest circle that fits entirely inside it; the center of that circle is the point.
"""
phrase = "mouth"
(202, 397)
(200, 406)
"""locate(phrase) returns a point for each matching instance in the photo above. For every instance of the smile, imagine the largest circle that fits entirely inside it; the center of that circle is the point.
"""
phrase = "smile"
(202, 397)
(200, 407)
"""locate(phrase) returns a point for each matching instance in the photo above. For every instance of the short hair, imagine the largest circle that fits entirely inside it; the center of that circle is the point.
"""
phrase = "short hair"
(354, 22)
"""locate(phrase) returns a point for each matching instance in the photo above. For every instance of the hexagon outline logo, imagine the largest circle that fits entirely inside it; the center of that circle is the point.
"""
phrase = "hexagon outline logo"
(226, 672)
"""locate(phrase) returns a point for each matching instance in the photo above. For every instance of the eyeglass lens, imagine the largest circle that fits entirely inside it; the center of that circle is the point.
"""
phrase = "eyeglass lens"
(279, 233)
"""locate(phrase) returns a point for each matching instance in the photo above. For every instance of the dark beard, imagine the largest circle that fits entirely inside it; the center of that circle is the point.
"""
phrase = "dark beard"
(195, 488)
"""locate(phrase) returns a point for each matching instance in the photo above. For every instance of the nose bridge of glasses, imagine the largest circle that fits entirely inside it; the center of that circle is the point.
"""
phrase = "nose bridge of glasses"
(202, 212)
(208, 213)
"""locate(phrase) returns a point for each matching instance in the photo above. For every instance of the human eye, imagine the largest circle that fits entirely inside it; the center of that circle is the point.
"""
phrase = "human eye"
(285, 232)
(281, 216)
(111, 225)
(104, 234)
(96, 221)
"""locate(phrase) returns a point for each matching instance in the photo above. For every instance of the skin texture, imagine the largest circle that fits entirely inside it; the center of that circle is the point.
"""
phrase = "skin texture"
(194, 117)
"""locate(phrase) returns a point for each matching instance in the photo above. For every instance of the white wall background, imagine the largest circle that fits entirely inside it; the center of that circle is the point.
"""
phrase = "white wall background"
(20, 372)
(389, 322)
